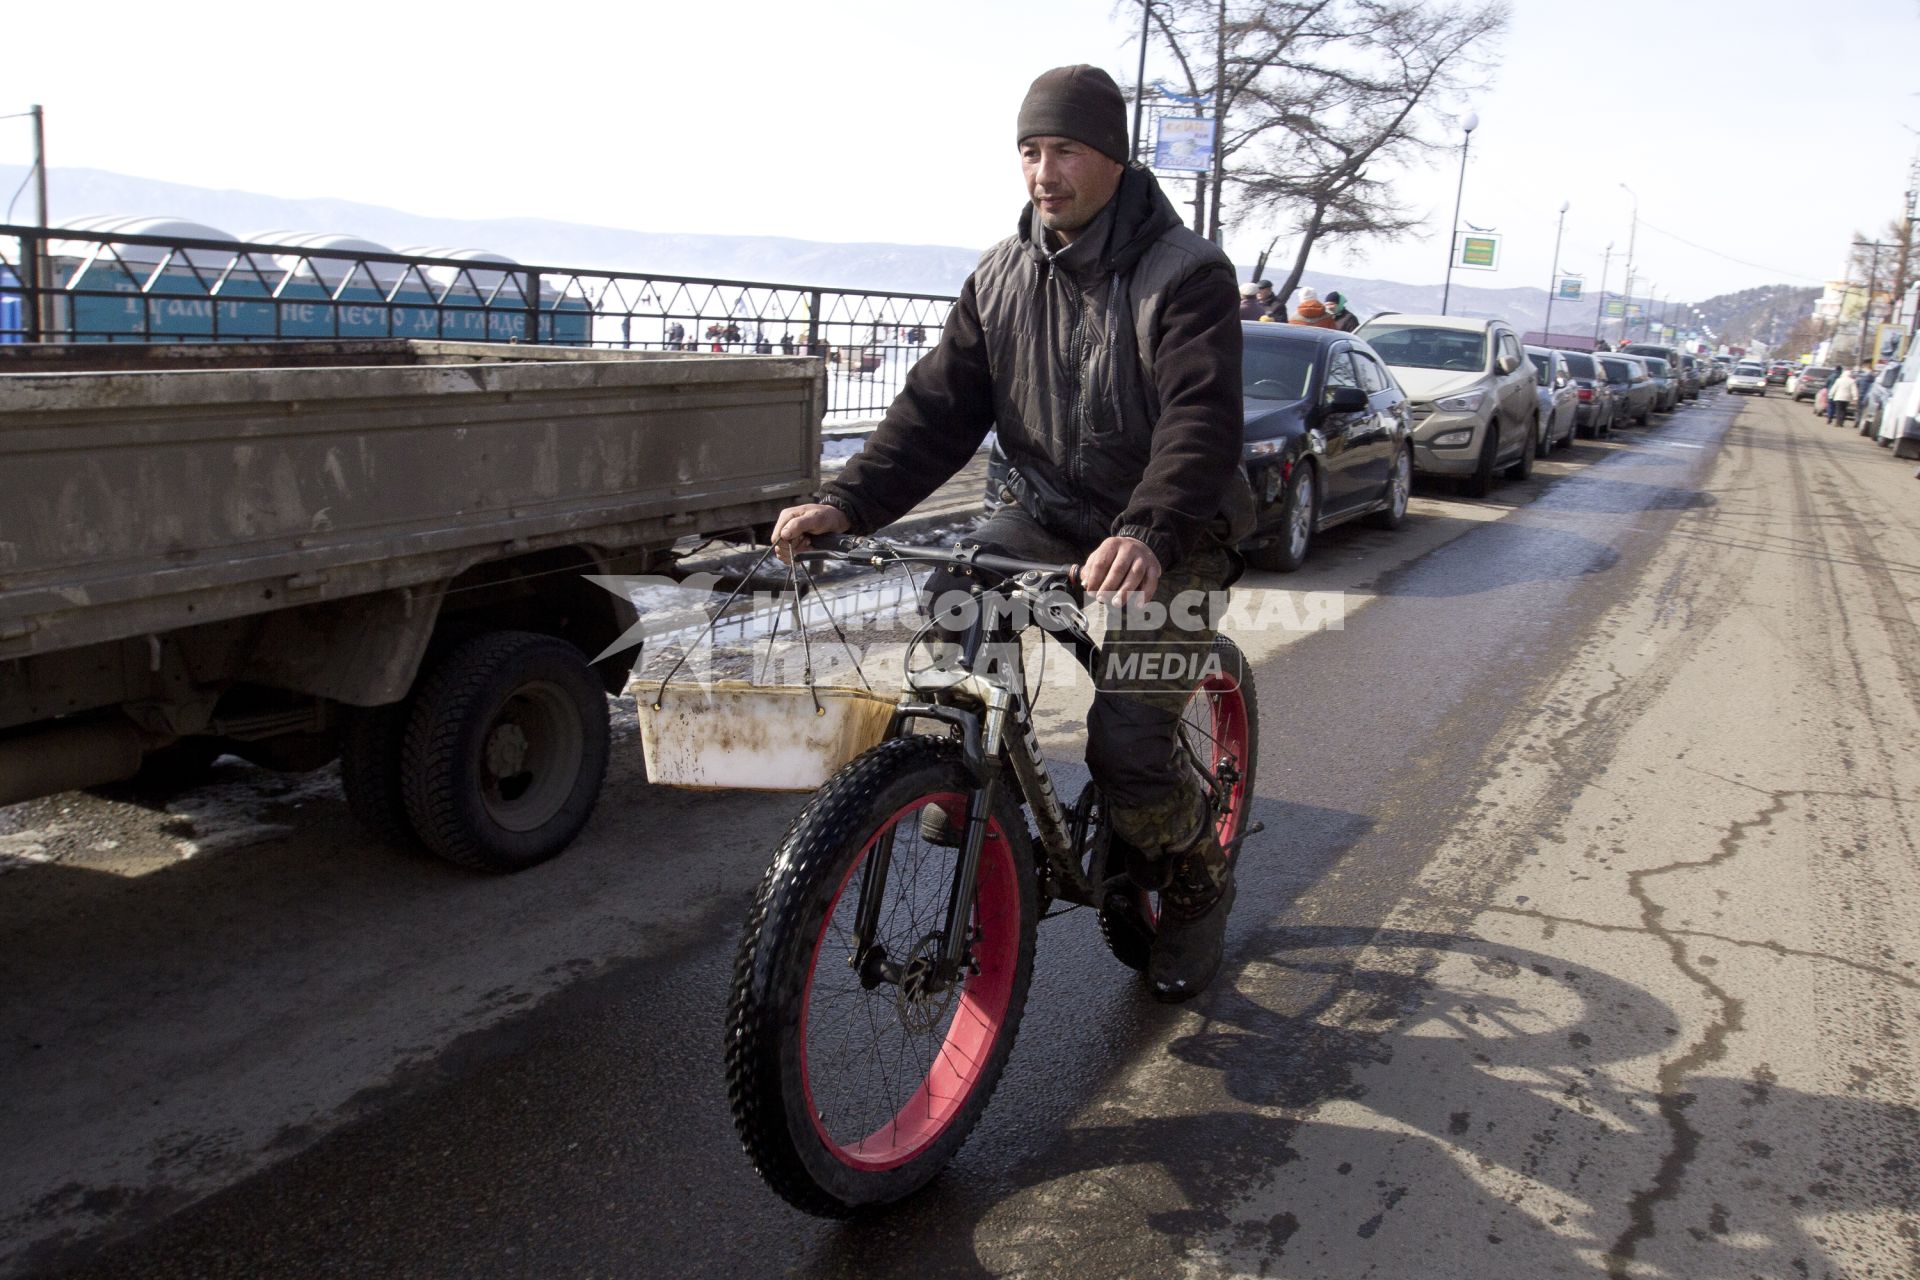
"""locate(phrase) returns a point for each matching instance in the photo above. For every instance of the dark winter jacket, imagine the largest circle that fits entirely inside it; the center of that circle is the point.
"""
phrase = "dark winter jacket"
(1110, 370)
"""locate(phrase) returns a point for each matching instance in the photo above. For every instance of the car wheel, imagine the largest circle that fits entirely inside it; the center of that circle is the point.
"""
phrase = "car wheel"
(1480, 483)
(1523, 466)
(1399, 489)
(1543, 441)
(1297, 520)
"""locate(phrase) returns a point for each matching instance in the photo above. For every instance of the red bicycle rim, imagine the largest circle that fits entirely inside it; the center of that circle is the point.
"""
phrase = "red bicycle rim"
(977, 1016)
(1229, 708)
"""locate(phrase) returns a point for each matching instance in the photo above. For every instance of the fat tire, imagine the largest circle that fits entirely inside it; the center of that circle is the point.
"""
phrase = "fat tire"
(776, 955)
(1126, 923)
(373, 746)
(441, 766)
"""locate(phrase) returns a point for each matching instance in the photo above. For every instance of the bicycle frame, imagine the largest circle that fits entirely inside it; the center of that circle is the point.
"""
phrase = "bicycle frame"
(989, 709)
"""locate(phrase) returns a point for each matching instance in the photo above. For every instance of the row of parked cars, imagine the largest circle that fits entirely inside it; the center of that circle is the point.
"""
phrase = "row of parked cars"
(1337, 425)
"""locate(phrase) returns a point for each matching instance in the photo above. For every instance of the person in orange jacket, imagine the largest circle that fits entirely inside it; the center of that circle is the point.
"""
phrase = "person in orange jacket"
(1314, 313)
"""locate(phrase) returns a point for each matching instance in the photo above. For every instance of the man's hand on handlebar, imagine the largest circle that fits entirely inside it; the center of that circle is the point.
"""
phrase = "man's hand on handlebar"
(1121, 571)
(794, 527)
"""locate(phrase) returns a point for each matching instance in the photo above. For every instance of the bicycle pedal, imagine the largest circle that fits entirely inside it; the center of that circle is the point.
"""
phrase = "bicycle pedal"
(1253, 829)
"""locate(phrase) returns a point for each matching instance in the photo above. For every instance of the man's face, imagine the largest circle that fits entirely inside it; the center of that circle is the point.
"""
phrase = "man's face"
(1265, 294)
(1069, 182)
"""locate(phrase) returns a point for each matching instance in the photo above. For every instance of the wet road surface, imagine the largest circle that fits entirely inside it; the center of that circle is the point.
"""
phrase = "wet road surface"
(1581, 942)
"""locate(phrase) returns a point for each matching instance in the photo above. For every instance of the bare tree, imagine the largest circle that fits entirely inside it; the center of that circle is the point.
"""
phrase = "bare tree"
(1317, 98)
(1323, 169)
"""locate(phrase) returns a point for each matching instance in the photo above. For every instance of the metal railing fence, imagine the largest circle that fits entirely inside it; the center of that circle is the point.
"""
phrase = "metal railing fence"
(62, 285)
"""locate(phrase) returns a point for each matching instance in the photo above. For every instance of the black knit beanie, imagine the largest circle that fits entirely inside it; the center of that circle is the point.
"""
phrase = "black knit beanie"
(1078, 102)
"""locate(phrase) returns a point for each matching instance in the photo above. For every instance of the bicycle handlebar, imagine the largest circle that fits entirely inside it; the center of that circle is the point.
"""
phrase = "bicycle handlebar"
(878, 551)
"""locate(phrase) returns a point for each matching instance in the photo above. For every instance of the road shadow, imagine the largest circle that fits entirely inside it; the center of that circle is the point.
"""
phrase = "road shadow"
(1290, 1046)
(1494, 556)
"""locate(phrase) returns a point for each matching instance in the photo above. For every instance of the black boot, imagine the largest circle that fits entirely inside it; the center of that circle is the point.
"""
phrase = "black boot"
(1193, 922)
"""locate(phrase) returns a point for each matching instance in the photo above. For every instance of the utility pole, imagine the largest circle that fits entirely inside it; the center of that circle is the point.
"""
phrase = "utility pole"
(1212, 231)
(1140, 82)
(1553, 282)
(1467, 127)
(1873, 285)
(42, 265)
(1633, 232)
(1905, 260)
(1600, 304)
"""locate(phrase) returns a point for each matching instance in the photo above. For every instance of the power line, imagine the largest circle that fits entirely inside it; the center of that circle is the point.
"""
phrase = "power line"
(1757, 266)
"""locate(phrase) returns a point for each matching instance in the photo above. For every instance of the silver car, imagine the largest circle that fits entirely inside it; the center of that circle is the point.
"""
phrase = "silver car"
(1559, 402)
(1474, 405)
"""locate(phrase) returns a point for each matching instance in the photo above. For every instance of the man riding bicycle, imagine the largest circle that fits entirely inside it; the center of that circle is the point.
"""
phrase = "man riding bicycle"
(1102, 343)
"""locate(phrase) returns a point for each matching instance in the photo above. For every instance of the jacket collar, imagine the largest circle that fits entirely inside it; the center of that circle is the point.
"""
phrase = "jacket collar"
(1119, 235)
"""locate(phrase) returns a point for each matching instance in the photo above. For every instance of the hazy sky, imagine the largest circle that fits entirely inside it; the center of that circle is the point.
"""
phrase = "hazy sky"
(1744, 128)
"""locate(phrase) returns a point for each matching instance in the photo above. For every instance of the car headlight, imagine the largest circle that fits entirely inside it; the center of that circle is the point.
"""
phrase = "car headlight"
(1468, 403)
(1264, 448)
(1446, 438)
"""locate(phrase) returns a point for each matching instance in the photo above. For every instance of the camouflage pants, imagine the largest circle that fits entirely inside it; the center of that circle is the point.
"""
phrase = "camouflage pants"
(1150, 660)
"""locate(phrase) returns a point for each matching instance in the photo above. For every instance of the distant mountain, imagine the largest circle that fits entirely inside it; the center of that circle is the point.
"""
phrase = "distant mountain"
(1766, 313)
(907, 268)
(936, 269)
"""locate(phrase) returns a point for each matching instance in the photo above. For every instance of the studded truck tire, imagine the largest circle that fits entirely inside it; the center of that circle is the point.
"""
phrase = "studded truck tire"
(856, 1074)
(373, 742)
(505, 751)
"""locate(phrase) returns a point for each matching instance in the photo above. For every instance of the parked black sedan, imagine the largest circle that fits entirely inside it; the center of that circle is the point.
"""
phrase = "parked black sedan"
(1326, 440)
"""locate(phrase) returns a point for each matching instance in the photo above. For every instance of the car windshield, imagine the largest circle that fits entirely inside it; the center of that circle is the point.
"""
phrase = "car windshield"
(1543, 366)
(1418, 347)
(1580, 366)
(1749, 370)
(1815, 371)
(1276, 371)
(1617, 370)
(1656, 366)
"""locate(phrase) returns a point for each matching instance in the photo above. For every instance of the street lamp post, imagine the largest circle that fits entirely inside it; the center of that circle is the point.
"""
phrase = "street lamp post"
(1633, 232)
(1553, 282)
(1467, 127)
(1600, 303)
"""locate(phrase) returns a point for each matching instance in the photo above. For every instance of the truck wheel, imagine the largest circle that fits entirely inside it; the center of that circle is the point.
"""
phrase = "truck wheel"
(506, 749)
(373, 742)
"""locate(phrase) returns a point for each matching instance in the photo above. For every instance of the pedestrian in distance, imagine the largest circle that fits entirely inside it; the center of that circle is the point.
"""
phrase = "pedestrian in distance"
(1128, 464)
(1841, 390)
(1250, 308)
(1271, 307)
(1343, 319)
(1313, 313)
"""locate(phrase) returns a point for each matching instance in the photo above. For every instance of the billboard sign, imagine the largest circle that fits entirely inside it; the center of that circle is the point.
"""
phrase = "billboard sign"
(1569, 289)
(1481, 252)
(1183, 143)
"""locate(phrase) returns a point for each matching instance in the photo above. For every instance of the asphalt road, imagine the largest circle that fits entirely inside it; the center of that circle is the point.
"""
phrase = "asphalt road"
(1582, 941)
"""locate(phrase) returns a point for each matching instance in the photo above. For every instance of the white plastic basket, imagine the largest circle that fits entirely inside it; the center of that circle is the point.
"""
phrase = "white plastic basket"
(739, 736)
